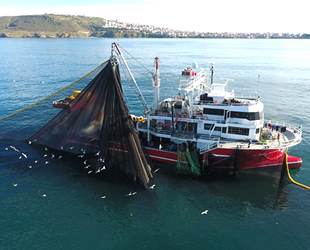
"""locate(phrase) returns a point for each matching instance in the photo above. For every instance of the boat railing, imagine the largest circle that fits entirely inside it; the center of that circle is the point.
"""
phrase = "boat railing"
(290, 135)
(184, 84)
(211, 144)
(160, 130)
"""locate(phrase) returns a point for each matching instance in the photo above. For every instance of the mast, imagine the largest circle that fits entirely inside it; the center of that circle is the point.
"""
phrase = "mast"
(133, 79)
(156, 84)
(212, 66)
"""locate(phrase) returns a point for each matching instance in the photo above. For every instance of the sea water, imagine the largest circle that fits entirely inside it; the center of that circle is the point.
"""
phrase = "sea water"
(54, 204)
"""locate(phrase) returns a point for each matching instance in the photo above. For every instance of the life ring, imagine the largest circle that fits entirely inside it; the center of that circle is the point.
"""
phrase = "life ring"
(160, 114)
(216, 103)
(184, 115)
(204, 117)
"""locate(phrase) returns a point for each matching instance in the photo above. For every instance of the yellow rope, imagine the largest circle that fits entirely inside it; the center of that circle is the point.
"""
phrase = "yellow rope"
(52, 94)
(289, 176)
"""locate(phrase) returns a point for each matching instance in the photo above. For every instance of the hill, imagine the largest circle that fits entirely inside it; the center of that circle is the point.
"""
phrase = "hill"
(50, 25)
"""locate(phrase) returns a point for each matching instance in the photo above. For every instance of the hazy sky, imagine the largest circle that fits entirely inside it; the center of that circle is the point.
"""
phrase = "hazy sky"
(200, 15)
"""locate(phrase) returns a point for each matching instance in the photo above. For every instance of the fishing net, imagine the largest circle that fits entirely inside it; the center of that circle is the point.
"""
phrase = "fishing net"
(95, 124)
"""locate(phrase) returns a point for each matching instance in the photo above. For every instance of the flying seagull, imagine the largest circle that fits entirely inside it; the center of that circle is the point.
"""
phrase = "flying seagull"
(205, 212)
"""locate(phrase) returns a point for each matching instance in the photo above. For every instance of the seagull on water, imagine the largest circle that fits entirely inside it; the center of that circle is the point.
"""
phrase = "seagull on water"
(46, 162)
(15, 184)
(52, 156)
(29, 142)
(24, 155)
(36, 161)
(205, 212)
(59, 157)
(30, 166)
(71, 148)
(86, 167)
(62, 147)
(102, 197)
(85, 162)
(97, 153)
(46, 149)
(152, 187)
(6, 149)
(131, 193)
(44, 195)
(89, 172)
(44, 155)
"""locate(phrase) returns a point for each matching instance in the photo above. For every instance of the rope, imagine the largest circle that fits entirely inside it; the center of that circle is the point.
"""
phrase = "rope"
(289, 176)
(32, 105)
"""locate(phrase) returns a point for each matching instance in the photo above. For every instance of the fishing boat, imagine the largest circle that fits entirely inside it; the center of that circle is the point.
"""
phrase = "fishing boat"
(205, 128)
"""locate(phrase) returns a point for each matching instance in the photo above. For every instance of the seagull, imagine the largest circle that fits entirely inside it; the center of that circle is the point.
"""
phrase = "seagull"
(15, 184)
(156, 170)
(89, 172)
(35, 140)
(44, 195)
(152, 187)
(29, 142)
(46, 149)
(98, 171)
(59, 157)
(24, 155)
(71, 148)
(62, 147)
(205, 212)
(102, 197)
(52, 156)
(131, 193)
(20, 157)
(46, 162)
(86, 167)
(102, 168)
(85, 162)
(6, 149)
(81, 156)
(30, 166)
(102, 160)
(97, 153)
(35, 161)
(44, 155)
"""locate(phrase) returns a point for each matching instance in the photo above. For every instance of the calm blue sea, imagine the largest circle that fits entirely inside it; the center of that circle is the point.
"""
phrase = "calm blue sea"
(57, 205)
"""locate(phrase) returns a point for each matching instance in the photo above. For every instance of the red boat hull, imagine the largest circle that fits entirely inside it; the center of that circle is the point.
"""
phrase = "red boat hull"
(245, 159)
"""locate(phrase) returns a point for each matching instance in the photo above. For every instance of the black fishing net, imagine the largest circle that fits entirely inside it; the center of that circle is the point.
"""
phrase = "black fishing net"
(97, 122)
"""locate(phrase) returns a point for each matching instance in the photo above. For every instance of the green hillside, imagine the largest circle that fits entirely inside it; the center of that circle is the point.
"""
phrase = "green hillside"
(50, 25)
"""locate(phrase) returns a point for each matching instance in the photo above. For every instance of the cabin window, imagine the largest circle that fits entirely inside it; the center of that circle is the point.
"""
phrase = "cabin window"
(217, 129)
(208, 126)
(257, 131)
(224, 130)
(208, 111)
(251, 116)
(238, 131)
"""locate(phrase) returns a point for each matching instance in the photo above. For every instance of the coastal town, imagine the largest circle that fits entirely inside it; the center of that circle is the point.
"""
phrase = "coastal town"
(149, 30)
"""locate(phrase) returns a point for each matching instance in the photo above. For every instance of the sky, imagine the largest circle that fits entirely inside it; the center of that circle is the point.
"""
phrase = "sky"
(239, 16)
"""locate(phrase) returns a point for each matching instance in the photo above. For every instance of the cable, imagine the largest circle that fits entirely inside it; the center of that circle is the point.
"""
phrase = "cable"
(289, 176)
